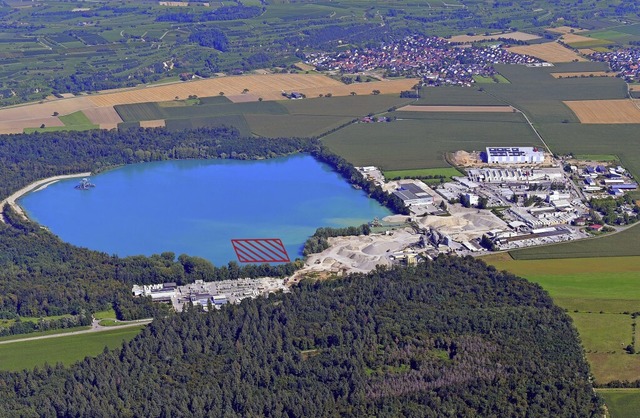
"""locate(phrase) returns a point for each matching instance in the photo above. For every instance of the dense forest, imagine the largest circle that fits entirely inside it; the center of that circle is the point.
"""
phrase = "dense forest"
(447, 338)
(43, 276)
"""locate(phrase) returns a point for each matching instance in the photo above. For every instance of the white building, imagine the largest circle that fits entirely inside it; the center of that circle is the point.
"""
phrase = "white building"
(514, 155)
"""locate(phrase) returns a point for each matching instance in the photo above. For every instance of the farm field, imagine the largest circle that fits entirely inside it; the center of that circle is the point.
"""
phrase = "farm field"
(535, 92)
(550, 52)
(155, 111)
(423, 142)
(621, 403)
(597, 139)
(572, 38)
(67, 350)
(489, 80)
(274, 126)
(351, 106)
(455, 96)
(518, 36)
(464, 109)
(76, 121)
(605, 111)
(624, 243)
(599, 294)
(171, 101)
(565, 29)
(267, 87)
(423, 172)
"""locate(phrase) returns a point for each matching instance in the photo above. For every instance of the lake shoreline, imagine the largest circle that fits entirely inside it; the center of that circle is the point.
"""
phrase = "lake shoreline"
(39, 185)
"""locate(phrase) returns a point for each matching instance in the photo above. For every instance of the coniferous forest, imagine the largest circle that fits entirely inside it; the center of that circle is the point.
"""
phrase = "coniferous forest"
(451, 337)
(448, 338)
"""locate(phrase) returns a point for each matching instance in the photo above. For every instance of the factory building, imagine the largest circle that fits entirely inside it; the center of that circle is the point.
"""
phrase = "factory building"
(514, 155)
(411, 194)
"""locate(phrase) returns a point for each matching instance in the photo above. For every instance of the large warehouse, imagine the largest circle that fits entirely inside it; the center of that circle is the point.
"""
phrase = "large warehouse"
(514, 155)
(411, 194)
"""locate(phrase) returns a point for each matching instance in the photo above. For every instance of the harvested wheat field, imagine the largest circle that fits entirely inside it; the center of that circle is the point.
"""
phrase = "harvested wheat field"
(587, 51)
(17, 127)
(105, 117)
(518, 36)
(158, 123)
(247, 88)
(474, 109)
(550, 52)
(572, 38)
(384, 87)
(565, 29)
(269, 87)
(605, 111)
(14, 120)
(584, 74)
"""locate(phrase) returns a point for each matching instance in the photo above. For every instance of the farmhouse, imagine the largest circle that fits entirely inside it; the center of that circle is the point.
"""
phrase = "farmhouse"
(514, 155)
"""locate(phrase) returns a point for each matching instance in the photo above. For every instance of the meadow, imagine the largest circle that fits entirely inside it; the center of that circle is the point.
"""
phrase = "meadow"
(21, 355)
(600, 294)
(621, 403)
(424, 172)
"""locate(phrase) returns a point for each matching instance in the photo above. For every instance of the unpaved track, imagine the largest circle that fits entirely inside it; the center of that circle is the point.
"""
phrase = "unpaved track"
(95, 327)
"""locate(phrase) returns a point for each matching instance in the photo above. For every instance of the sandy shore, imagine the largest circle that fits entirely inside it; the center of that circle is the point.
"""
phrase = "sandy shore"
(40, 184)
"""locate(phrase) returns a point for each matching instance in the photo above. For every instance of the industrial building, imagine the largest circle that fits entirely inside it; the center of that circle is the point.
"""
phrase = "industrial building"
(514, 155)
(411, 194)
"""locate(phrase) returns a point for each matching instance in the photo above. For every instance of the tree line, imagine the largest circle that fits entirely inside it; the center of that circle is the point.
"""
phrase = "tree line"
(449, 337)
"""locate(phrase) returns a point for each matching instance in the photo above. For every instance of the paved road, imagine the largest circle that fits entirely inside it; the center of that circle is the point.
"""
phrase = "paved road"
(95, 327)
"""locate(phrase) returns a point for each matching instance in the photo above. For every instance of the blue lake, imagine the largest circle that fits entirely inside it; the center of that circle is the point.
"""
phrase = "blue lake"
(197, 206)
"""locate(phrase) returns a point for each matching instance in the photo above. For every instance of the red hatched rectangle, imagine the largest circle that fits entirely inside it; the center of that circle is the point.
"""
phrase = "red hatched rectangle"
(260, 250)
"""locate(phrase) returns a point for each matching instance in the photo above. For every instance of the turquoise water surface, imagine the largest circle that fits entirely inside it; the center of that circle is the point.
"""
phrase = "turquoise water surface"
(197, 206)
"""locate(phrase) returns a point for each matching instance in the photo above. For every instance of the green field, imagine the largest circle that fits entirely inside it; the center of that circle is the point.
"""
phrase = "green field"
(603, 333)
(621, 403)
(591, 44)
(67, 350)
(76, 121)
(108, 314)
(598, 157)
(423, 143)
(624, 243)
(489, 80)
(275, 126)
(291, 118)
(599, 294)
(423, 172)
(346, 106)
(455, 96)
(184, 110)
